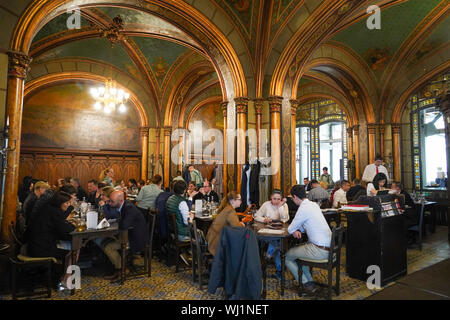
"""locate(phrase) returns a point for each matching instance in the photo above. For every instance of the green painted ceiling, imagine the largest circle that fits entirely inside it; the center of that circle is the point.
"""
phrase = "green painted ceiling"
(130, 16)
(159, 53)
(56, 25)
(397, 22)
(97, 49)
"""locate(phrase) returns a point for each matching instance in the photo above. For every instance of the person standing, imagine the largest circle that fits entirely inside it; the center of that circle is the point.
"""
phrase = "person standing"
(196, 176)
(371, 170)
(326, 177)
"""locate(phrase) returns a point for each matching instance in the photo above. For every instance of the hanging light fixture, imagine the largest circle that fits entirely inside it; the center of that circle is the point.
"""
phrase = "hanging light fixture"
(109, 97)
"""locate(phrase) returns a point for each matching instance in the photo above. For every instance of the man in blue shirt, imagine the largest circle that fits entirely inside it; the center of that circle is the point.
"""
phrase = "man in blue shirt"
(309, 219)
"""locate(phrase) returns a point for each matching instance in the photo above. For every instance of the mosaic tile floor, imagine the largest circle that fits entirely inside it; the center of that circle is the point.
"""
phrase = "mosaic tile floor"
(167, 285)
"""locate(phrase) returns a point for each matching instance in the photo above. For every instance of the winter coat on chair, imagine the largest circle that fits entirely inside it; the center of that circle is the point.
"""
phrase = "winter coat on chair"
(237, 265)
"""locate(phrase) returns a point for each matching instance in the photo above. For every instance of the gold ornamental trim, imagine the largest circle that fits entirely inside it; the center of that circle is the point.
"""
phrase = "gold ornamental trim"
(18, 64)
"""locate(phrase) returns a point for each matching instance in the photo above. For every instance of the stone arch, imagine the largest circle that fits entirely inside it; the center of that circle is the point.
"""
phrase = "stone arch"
(64, 76)
(215, 44)
(424, 79)
(352, 84)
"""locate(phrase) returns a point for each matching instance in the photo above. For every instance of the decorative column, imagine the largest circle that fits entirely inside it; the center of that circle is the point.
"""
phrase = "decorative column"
(356, 150)
(396, 128)
(258, 112)
(158, 143)
(241, 110)
(18, 67)
(372, 130)
(166, 169)
(275, 140)
(224, 105)
(351, 172)
(382, 140)
(144, 161)
(294, 106)
(443, 102)
(181, 140)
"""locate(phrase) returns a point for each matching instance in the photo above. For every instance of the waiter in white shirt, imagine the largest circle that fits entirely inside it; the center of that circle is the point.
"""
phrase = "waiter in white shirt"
(371, 170)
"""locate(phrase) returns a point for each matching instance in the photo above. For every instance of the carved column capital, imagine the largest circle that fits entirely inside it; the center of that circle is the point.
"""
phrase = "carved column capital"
(294, 106)
(356, 129)
(372, 128)
(167, 130)
(18, 64)
(224, 105)
(258, 105)
(350, 132)
(144, 131)
(275, 104)
(396, 128)
(241, 104)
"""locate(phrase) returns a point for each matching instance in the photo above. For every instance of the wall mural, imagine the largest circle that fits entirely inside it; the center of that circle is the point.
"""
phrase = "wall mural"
(62, 116)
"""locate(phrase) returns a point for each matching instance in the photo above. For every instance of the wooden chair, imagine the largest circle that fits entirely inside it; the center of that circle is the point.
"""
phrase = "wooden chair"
(201, 258)
(22, 262)
(151, 221)
(174, 243)
(333, 261)
(419, 227)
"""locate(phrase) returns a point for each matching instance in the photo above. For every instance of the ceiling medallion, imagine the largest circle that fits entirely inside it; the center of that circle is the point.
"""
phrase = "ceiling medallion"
(114, 32)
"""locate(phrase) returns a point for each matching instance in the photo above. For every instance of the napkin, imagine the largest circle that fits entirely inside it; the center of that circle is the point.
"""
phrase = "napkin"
(271, 231)
(103, 224)
(91, 219)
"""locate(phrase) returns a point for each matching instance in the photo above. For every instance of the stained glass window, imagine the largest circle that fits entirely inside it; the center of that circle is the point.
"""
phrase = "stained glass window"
(321, 132)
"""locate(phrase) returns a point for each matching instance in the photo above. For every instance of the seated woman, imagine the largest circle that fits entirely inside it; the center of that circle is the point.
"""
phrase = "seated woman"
(227, 217)
(275, 209)
(378, 183)
(49, 227)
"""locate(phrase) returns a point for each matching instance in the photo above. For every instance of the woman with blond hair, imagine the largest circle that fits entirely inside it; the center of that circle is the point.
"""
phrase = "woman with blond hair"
(227, 217)
(107, 176)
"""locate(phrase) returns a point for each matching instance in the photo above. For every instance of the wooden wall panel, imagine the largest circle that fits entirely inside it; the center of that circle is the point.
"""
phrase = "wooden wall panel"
(50, 165)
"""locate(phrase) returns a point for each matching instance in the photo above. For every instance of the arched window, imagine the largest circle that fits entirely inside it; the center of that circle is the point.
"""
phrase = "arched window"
(428, 137)
(321, 140)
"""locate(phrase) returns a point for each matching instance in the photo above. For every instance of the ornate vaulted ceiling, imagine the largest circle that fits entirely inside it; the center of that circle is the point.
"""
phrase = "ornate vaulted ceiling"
(276, 42)
(155, 54)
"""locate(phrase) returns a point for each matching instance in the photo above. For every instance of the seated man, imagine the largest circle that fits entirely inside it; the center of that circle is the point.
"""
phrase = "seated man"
(81, 193)
(39, 189)
(340, 195)
(177, 205)
(317, 193)
(307, 183)
(355, 190)
(148, 194)
(309, 219)
(206, 193)
(131, 219)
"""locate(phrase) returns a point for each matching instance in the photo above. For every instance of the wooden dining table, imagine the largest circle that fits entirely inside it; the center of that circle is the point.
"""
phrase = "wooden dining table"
(81, 238)
(266, 235)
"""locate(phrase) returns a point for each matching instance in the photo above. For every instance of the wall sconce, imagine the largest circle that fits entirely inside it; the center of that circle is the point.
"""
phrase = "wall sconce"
(8, 148)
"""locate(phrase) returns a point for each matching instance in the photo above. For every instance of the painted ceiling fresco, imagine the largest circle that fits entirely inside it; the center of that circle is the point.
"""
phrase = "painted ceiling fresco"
(76, 124)
(96, 48)
(377, 47)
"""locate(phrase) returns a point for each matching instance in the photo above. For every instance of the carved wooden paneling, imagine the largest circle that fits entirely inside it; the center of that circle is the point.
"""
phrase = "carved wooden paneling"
(50, 165)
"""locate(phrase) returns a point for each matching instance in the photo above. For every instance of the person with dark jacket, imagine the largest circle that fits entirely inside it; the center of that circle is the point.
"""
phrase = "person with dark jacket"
(237, 265)
(206, 193)
(131, 219)
(48, 227)
(355, 189)
(25, 188)
(81, 193)
(39, 189)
